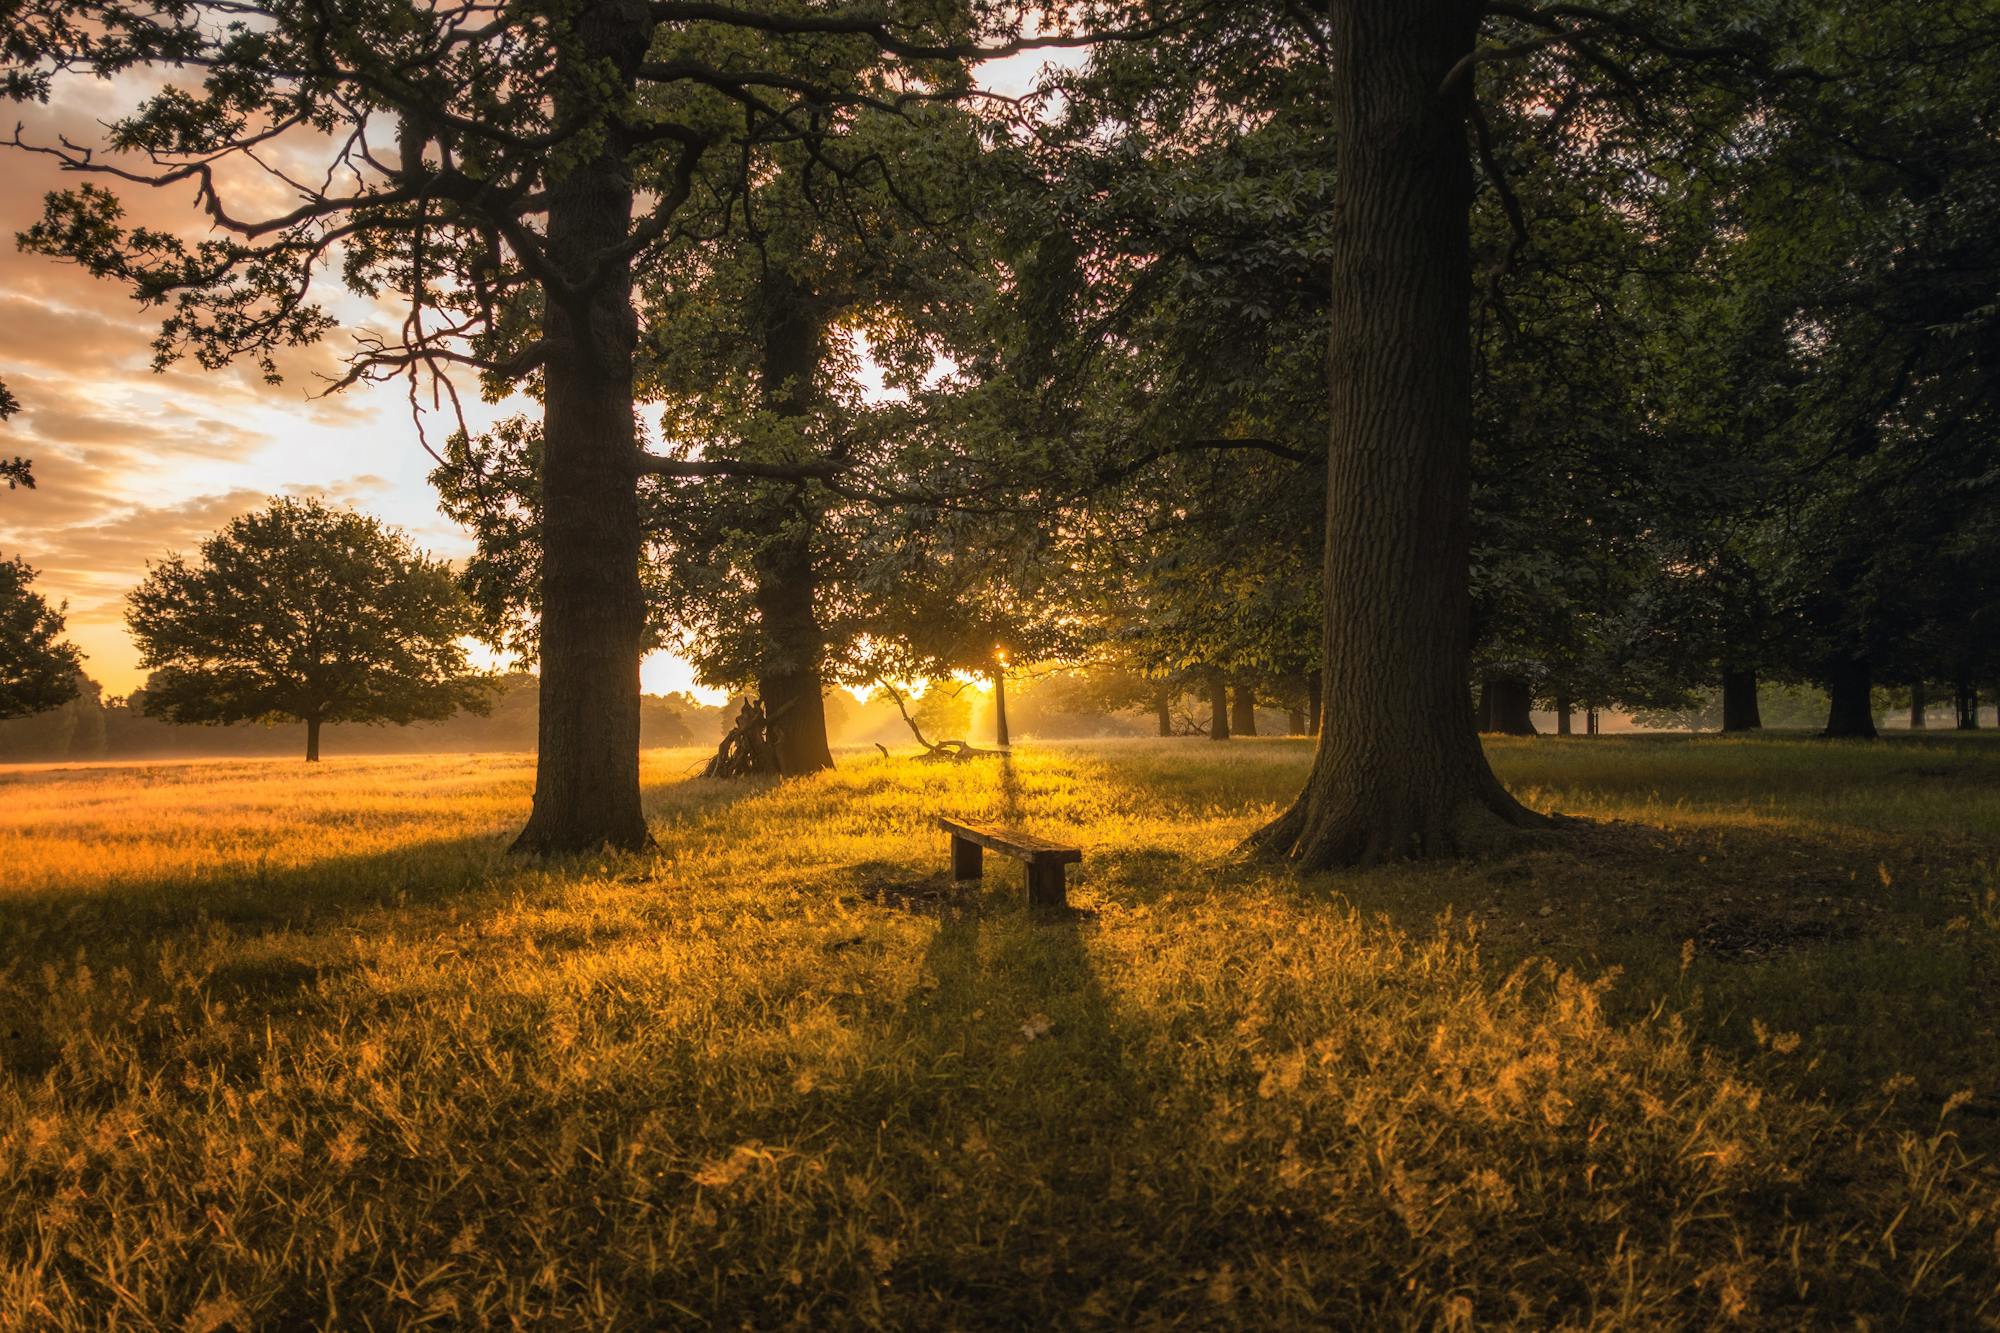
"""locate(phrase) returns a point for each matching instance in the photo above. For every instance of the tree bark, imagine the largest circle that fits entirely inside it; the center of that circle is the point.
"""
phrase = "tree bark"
(1919, 704)
(1505, 705)
(312, 740)
(1218, 707)
(1315, 702)
(787, 590)
(1739, 701)
(593, 610)
(1966, 699)
(1398, 771)
(1850, 713)
(1000, 709)
(1562, 715)
(1590, 722)
(1243, 712)
(1295, 722)
(788, 678)
(1163, 711)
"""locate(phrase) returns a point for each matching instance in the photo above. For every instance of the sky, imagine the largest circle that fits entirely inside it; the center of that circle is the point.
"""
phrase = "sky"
(131, 464)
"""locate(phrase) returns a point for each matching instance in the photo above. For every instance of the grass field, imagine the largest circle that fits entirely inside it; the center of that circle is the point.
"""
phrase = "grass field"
(282, 1047)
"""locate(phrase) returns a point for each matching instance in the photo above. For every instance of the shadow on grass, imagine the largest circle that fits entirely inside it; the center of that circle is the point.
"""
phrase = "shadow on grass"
(1012, 810)
(689, 801)
(1016, 1091)
(92, 918)
(1864, 952)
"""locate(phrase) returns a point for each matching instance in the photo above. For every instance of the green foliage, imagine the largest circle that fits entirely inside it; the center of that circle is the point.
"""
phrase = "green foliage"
(1173, 323)
(797, 483)
(306, 612)
(1826, 379)
(37, 670)
(14, 471)
(944, 711)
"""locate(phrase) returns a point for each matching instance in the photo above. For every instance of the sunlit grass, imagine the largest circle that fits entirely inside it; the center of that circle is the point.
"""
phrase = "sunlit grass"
(288, 1046)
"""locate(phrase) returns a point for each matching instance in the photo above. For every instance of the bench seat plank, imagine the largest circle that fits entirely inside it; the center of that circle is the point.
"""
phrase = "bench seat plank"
(1012, 842)
(1043, 860)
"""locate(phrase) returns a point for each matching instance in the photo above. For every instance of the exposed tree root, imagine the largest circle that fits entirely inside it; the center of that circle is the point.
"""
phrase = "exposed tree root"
(1372, 828)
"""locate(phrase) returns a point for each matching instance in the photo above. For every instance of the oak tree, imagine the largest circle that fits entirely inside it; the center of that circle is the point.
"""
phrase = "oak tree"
(37, 670)
(306, 612)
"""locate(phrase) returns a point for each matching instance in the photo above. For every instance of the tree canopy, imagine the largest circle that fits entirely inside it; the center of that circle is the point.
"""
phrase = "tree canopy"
(1373, 353)
(308, 612)
(37, 670)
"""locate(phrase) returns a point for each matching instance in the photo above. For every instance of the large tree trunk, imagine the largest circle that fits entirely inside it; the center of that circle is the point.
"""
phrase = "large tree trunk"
(1163, 711)
(1739, 701)
(1850, 713)
(1243, 712)
(1000, 736)
(1218, 707)
(312, 740)
(1563, 711)
(788, 678)
(1506, 705)
(593, 611)
(1919, 704)
(1398, 770)
(1965, 698)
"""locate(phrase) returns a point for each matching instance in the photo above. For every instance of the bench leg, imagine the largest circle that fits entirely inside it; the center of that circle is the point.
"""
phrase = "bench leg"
(967, 859)
(1045, 886)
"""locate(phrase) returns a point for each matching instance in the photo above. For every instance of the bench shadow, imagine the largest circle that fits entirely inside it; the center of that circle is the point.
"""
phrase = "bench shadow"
(1012, 809)
(1021, 1065)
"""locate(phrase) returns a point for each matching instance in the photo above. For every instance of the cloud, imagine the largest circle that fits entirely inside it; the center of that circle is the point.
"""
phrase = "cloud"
(133, 463)
(109, 555)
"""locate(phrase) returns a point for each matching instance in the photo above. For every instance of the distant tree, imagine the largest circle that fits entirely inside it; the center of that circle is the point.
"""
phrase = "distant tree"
(306, 612)
(72, 730)
(36, 671)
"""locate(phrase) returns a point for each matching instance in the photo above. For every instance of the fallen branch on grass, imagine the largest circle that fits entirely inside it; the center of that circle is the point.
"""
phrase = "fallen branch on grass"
(955, 752)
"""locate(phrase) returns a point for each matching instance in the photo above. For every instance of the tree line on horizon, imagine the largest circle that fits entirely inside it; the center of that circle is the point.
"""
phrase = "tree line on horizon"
(1417, 362)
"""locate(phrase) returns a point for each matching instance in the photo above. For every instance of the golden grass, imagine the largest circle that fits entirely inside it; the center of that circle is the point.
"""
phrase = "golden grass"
(289, 1047)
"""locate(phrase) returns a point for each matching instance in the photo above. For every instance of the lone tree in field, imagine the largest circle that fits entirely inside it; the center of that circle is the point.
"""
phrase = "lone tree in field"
(37, 673)
(306, 612)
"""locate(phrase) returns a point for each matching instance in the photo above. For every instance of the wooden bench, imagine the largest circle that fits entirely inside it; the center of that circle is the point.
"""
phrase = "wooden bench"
(1044, 859)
